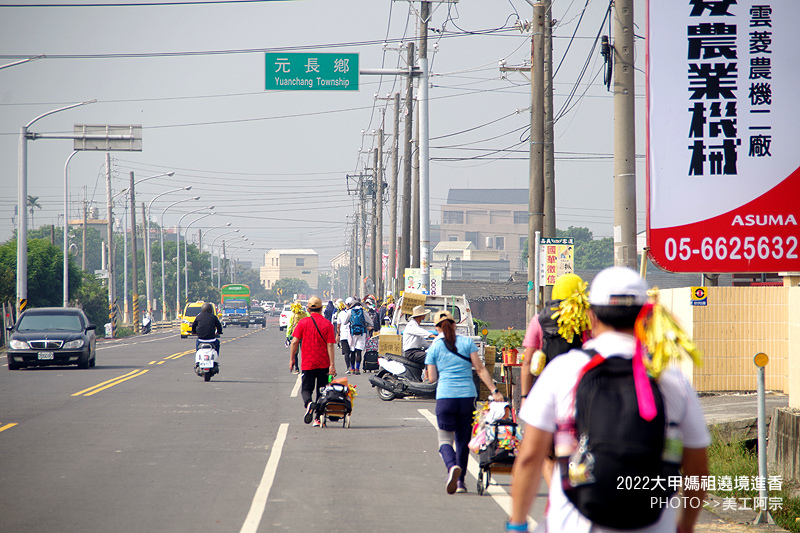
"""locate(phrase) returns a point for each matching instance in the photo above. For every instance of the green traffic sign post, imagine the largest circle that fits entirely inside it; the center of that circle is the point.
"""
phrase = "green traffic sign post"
(311, 72)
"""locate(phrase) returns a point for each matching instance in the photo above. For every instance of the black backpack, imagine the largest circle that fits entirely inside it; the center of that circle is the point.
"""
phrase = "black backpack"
(619, 464)
(553, 344)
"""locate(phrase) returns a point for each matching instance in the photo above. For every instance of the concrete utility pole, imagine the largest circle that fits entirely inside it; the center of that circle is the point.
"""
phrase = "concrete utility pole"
(405, 239)
(415, 215)
(354, 258)
(392, 266)
(83, 237)
(112, 291)
(549, 229)
(379, 223)
(147, 261)
(373, 223)
(135, 284)
(624, 137)
(362, 282)
(424, 152)
(536, 178)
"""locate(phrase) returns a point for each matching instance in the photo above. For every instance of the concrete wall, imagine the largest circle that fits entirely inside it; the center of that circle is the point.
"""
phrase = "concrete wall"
(783, 449)
(738, 323)
(501, 314)
(793, 355)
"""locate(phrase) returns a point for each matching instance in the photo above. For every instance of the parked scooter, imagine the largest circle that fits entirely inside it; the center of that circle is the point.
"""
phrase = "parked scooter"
(399, 377)
(206, 362)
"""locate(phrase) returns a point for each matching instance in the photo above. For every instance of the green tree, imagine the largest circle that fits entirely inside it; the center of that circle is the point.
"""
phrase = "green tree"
(45, 273)
(324, 282)
(590, 253)
(33, 203)
(251, 278)
(92, 297)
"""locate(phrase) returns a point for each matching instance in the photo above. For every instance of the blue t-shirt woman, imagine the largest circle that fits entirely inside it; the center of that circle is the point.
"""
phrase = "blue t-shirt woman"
(450, 360)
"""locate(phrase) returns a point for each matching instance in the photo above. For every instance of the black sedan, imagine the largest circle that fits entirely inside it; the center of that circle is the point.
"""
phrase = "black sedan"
(52, 336)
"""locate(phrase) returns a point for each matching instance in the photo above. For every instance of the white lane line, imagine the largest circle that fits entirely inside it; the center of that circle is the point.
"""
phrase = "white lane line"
(497, 492)
(253, 519)
(296, 389)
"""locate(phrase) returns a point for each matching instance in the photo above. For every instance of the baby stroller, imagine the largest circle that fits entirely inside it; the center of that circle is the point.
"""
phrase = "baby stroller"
(336, 403)
(496, 442)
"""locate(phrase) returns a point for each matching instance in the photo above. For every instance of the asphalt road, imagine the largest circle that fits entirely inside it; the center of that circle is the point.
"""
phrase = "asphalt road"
(142, 444)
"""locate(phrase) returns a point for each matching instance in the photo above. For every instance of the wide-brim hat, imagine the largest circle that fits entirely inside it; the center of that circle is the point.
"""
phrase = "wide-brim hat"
(441, 316)
(419, 311)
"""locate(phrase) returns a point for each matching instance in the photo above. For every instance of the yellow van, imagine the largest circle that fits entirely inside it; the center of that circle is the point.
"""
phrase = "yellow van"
(191, 310)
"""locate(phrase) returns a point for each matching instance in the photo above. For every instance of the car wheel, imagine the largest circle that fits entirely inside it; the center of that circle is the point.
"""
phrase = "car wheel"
(183, 336)
(92, 362)
(83, 364)
(13, 366)
(282, 328)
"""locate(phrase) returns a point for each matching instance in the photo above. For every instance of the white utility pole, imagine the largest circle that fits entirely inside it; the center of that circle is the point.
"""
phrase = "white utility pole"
(624, 137)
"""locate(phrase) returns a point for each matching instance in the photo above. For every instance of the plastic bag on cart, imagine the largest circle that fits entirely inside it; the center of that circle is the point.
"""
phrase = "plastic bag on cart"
(486, 414)
(502, 443)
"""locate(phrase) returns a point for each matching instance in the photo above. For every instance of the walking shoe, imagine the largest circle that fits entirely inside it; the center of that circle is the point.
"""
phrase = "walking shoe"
(317, 423)
(357, 371)
(452, 479)
(461, 487)
(295, 371)
(309, 413)
(348, 371)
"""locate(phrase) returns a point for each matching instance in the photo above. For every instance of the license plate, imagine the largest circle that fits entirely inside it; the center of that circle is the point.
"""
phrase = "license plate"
(206, 364)
(45, 355)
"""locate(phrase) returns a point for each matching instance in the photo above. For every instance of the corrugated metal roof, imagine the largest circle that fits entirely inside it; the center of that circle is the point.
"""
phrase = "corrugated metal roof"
(487, 196)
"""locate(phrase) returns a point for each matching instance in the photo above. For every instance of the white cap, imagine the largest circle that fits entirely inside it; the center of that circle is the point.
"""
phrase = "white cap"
(349, 301)
(618, 286)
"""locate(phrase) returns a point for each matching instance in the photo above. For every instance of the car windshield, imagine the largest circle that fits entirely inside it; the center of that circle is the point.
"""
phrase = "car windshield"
(50, 323)
(192, 311)
(235, 304)
(434, 308)
(287, 308)
(256, 311)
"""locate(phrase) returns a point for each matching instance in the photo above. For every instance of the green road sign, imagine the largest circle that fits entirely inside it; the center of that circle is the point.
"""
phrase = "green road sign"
(311, 72)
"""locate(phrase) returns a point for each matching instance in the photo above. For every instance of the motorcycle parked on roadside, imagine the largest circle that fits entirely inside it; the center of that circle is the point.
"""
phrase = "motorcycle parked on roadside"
(206, 362)
(399, 377)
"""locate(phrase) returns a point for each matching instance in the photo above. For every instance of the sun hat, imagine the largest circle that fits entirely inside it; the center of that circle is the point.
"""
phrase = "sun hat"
(441, 316)
(618, 286)
(419, 311)
(566, 285)
(314, 303)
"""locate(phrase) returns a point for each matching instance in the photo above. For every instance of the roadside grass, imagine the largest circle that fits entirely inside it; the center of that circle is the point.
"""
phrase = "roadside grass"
(737, 460)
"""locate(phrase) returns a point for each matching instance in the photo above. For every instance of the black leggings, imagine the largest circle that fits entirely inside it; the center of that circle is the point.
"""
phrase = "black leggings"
(353, 359)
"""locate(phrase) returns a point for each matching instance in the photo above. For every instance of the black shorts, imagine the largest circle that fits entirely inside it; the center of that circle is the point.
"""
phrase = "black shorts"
(345, 346)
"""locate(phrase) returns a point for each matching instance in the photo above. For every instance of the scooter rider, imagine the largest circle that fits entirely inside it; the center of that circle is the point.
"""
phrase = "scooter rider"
(415, 336)
(207, 326)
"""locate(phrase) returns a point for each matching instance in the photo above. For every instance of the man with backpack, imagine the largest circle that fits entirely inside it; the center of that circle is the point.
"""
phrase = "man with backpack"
(357, 323)
(619, 435)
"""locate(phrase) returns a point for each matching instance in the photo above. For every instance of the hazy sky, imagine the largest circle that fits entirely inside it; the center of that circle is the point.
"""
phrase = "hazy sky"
(275, 163)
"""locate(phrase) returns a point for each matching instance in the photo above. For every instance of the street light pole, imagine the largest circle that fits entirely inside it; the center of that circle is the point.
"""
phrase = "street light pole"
(186, 254)
(178, 259)
(211, 253)
(65, 299)
(22, 204)
(163, 275)
(148, 258)
(219, 259)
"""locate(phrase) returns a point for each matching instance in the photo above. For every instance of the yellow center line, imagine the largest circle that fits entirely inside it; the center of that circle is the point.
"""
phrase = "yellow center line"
(8, 426)
(103, 383)
(118, 382)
